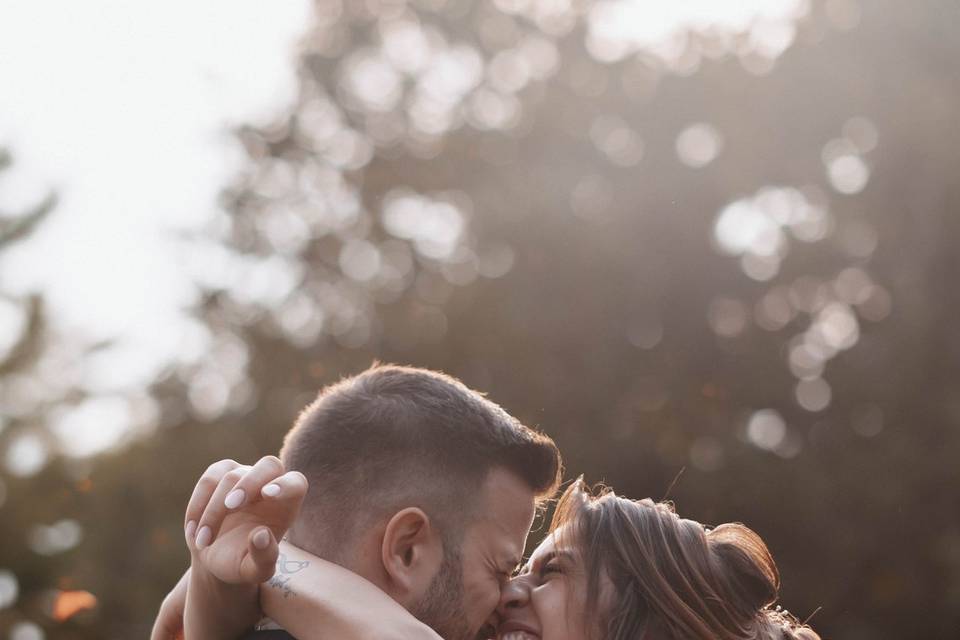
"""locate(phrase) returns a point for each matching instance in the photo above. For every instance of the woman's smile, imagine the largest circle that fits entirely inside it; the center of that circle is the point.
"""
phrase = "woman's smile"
(518, 635)
(515, 630)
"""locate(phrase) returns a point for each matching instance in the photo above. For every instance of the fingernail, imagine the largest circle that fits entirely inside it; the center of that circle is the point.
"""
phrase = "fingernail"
(261, 539)
(271, 490)
(234, 499)
(191, 529)
(203, 538)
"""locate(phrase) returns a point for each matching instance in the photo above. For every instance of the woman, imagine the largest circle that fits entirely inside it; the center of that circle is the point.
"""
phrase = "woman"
(620, 569)
(610, 568)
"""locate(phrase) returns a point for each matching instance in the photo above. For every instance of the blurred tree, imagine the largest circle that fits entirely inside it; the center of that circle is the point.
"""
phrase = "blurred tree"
(731, 252)
(34, 532)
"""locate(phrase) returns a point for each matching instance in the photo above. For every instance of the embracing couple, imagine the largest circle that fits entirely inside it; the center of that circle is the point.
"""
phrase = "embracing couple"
(400, 507)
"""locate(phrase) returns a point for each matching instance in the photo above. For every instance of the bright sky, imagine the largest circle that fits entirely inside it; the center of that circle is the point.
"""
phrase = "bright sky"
(123, 107)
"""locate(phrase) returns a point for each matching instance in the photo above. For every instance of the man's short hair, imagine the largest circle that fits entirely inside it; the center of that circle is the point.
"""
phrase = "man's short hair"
(394, 437)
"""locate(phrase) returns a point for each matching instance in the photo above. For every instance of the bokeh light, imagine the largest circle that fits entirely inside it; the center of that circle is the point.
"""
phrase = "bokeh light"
(69, 603)
(26, 631)
(813, 394)
(56, 538)
(766, 429)
(9, 588)
(699, 144)
(26, 454)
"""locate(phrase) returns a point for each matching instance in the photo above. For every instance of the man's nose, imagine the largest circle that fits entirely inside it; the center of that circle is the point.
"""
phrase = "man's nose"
(516, 593)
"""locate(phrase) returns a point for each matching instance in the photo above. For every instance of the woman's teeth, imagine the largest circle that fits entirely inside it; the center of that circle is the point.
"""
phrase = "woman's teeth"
(518, 635)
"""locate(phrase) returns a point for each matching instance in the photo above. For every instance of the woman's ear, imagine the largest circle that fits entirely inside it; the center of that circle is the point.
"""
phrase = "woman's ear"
(412, 552)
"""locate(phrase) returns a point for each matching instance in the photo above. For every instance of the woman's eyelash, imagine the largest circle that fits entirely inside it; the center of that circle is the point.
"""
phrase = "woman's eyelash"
(550, 567)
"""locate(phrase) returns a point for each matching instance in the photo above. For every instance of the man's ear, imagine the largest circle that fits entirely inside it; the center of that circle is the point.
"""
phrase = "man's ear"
(412, 553)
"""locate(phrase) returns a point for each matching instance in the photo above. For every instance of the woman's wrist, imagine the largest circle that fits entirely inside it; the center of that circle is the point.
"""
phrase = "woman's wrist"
(217, 610)
(314, 598)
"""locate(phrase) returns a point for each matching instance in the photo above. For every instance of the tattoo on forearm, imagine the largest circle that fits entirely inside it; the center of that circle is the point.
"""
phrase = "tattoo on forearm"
(281, 584)
(290, 566)
(285, 570)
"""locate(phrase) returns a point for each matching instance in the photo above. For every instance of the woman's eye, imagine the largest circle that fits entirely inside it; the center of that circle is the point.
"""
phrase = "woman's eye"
(550, 567)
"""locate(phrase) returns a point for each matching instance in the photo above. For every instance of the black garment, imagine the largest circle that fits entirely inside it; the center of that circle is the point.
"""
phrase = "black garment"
(271, 634)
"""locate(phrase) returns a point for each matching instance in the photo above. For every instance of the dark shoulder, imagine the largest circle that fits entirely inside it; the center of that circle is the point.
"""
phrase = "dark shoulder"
(268, 635)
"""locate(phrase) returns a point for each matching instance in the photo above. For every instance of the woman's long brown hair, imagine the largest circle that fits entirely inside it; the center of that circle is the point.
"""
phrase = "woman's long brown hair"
(672, 579)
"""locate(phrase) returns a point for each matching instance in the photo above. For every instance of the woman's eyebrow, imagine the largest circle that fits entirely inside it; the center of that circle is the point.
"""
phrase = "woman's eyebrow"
(538, 562)
(561, 554)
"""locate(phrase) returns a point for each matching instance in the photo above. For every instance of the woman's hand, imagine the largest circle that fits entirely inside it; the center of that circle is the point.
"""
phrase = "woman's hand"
(238, 513)
(234, 519)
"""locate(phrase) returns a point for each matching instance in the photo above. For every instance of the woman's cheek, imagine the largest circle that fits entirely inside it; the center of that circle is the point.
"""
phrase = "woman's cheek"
(552, 612)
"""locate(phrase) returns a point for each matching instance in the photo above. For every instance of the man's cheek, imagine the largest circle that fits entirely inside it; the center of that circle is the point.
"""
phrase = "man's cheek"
(490, 606)
(483, 607)
(487, 632)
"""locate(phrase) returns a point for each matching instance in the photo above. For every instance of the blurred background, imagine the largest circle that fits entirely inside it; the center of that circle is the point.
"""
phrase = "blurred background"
(716, 238)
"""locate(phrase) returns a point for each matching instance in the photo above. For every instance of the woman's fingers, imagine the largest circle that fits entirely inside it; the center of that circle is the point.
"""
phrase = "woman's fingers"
(227, 486)
(290, 486)
(261, 560)
(287, 492)
(206, 485)
(213, 514)
(238, 487)
(248, 488)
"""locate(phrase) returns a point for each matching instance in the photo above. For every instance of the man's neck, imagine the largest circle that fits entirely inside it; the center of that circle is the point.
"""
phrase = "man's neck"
(363, 558)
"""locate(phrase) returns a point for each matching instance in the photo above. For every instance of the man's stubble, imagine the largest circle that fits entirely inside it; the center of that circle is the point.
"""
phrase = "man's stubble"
(442, 607)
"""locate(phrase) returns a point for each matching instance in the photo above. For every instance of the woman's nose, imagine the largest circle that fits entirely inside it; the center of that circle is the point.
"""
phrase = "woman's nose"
(516, 593)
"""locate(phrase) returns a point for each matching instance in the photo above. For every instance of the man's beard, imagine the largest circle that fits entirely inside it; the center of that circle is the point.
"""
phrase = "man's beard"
(442, 606)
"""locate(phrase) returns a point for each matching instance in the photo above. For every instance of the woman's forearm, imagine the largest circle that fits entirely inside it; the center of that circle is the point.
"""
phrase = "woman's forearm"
(313, 598)
(215, 610)
(218, 611)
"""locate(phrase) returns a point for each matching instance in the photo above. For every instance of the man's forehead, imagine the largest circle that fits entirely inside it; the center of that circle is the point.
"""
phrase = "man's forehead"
(508, 542)
(507, 511)
(508, 499)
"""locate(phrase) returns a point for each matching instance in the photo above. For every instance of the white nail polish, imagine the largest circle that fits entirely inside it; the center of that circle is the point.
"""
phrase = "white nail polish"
(271, 490)
(203, 537)
(234, 499)
(261, 539)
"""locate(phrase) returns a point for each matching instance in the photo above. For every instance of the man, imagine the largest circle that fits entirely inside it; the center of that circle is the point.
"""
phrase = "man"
(416, 483)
